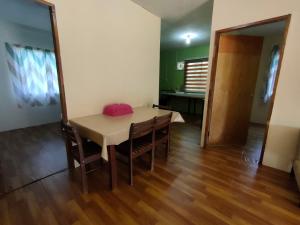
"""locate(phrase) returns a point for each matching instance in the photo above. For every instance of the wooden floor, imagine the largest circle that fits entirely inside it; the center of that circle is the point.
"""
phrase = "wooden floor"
(214, 186)
(253, 148)
(30, 154)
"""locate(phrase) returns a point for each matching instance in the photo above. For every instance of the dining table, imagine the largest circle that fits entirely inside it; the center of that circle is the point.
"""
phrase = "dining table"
(108, 131)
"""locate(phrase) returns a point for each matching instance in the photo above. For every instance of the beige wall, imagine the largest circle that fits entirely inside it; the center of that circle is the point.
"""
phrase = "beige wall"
(285, 122)
(260, 109)
(110, 53)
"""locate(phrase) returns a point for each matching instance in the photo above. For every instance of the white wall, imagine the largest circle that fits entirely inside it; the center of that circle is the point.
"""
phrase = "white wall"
(110, 53)
(260, 110)
(12, 117)
(285, 121)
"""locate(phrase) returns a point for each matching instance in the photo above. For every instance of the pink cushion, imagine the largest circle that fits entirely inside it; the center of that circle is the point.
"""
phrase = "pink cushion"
(117, 110)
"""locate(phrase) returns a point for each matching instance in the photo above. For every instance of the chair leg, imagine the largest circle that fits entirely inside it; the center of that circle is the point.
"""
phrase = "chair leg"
(152, 159)
(130, 171)
(167, 150)
(70, 158)
(84, 179)
(71, 164)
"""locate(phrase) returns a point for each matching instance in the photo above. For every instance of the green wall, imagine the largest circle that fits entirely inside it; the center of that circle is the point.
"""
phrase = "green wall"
(170, 77)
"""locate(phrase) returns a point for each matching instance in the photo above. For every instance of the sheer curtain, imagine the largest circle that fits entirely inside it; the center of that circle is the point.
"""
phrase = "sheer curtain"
(33, 74)
(272, 73)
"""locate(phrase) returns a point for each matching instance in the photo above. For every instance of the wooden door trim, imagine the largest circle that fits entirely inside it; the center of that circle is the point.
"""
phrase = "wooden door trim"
(45, 3)
(218, 33)
(55, 37)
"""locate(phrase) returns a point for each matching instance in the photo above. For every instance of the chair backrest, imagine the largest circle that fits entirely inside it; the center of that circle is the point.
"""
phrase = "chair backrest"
(70, 132)
(71, 135)
(142, 129)
(163, 122)
(161, 107)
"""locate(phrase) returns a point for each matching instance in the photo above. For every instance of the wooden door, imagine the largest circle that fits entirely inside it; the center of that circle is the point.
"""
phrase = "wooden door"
(236, 75)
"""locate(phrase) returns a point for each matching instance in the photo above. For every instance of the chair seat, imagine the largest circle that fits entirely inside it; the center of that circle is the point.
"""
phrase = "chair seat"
(140, 146)
(90, 150)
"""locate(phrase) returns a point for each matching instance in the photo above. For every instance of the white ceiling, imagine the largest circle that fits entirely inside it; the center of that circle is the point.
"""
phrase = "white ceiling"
(171, 10)
(180, 17)
(25, 12)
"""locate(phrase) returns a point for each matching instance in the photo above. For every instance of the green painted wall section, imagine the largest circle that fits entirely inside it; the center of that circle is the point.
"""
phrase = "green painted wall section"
(170, 77)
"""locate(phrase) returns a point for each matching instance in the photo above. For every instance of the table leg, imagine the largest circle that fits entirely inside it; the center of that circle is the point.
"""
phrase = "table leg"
(189, 105)
(195, 105)
(112, 166)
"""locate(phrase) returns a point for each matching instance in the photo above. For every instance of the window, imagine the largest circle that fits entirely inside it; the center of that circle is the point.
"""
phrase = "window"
(33, 75)
(195, 73)
(272, 72)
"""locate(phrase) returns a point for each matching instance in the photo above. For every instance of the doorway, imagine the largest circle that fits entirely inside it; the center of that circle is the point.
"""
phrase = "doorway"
(184, 57)
(32, 95)
(245, 70)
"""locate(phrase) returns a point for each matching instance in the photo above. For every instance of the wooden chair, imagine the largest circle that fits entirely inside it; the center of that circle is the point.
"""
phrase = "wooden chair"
(141, 141)
(161, 107)
(162, 132)
(84, 152)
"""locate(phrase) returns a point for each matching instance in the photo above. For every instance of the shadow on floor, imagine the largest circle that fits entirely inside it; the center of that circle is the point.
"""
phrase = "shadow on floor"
(30, 154)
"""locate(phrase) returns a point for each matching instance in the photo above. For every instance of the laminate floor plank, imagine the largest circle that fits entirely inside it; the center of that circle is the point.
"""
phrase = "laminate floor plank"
(194, 186)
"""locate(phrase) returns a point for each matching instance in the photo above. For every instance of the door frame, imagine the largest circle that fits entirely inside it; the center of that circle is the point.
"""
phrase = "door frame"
(218, 33)
(52, 14)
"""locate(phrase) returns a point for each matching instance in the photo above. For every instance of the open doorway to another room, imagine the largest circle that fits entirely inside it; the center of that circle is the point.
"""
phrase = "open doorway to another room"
(273, 35)
(184, 67)
(244, 78)
(30, 140)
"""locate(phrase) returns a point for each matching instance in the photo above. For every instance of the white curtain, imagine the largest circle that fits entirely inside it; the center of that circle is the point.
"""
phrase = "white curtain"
(33, 74)
(272, 74)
